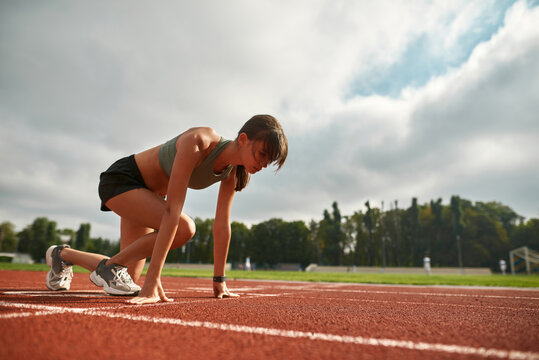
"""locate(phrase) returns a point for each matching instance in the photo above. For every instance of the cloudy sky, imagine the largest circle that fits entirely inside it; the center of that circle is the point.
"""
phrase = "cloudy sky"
(381, 100)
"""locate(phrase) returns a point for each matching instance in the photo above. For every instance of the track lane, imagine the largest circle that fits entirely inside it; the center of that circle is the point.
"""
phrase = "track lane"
(274, 318)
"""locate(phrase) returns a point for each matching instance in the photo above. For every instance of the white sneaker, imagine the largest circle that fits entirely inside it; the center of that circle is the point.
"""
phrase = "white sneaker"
(61, 273)
(114, 279)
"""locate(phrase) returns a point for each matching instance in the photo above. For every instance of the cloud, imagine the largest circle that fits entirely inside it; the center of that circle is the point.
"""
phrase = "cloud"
(84, 84)
(473, 125)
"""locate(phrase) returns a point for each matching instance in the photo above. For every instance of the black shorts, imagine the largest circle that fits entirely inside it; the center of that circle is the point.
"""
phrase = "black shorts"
(120, 177)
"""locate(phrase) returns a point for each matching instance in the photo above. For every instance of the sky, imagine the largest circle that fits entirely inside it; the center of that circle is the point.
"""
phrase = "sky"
(380, 101)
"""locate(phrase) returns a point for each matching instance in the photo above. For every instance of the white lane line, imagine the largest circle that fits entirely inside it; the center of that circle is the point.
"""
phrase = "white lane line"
(42, 310)
(54, 310)
(28, 314)
(101, 293)
(70, 293)
(294, 334)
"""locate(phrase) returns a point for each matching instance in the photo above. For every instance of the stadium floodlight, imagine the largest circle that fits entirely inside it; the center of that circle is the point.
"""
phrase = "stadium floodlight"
(524, 259)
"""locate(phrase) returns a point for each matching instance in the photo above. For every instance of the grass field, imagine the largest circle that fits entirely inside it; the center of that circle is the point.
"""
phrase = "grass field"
(395, 279)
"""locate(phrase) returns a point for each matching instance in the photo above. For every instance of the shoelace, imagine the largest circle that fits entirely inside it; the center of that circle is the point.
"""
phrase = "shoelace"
(121, 274)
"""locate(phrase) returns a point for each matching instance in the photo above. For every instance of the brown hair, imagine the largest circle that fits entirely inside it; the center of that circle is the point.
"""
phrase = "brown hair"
(267, 129)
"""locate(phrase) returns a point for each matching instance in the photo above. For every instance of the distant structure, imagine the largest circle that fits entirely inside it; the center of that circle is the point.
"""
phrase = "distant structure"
(18, 258)
(524, 261)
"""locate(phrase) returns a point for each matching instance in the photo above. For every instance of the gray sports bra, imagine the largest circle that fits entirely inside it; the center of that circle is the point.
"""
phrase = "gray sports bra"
(203, 175)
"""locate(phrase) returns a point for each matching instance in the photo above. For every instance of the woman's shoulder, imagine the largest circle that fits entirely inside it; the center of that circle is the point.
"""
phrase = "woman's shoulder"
(204, 137)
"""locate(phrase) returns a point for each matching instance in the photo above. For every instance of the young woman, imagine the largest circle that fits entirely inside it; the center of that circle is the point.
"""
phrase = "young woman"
(134, 188)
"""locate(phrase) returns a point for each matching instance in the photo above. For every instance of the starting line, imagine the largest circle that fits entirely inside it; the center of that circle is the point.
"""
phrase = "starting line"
(358, 340)
(71, 293)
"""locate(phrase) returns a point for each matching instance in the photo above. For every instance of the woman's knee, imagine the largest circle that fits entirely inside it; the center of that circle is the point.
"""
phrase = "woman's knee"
(190, 228)
(186, 231)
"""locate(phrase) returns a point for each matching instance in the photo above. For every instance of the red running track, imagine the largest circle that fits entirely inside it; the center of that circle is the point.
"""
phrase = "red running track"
(271, 320)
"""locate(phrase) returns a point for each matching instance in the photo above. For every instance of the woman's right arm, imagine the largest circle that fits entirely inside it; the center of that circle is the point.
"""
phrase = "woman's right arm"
(189, 149)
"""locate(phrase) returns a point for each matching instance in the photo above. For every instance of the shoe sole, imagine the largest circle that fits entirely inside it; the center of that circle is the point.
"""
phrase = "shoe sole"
(99, 281)
(48, 258)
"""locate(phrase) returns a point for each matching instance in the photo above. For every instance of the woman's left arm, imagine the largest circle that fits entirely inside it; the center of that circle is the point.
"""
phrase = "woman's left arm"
(222, 233)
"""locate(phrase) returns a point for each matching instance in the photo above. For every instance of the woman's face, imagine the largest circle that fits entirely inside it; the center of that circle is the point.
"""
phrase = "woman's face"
(257, 158)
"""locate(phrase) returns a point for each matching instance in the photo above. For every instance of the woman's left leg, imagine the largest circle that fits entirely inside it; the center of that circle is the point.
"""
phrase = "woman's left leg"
(130, 232)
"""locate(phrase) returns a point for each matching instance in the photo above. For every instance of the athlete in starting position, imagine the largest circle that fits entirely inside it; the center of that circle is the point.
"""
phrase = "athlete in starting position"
(135, 188)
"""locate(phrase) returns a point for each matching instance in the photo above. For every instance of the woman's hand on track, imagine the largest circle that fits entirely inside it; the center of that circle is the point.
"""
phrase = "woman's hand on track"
(221, 291)
(150, 295)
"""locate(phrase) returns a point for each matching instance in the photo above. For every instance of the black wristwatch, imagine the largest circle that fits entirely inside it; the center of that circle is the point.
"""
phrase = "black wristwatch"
(219, 279)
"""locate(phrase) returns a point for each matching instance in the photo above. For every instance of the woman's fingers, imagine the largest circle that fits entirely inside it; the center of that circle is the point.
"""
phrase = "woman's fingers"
(155, 296)
(141, 300)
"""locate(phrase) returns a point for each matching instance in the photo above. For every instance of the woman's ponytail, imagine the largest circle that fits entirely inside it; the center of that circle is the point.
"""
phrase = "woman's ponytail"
(242, 177)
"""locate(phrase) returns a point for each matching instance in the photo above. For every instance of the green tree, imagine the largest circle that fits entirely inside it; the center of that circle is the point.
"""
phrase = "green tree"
(308, 245)
(323, 231)
(349, 229)
(25, 240)
(413, 233)
(526, 234)
(358, 238)
(499, 212)
(313, 239)
(83, 237)
(393, 225)
(436, 210)
(8, 237)
(334, 236)
(200, 248)
(368, 220)
(266, 244)
(447, 249)
(294, 243)
(37, 237)
(240, 246)
(457, 225)
(490, 240)
(110, 248)
(426, 230)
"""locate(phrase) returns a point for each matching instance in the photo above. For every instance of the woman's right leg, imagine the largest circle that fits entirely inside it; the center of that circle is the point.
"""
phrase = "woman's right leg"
(140, 210)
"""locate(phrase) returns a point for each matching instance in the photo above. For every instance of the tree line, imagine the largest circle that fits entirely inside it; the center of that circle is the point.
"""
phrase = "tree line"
(460, 233)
